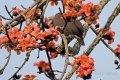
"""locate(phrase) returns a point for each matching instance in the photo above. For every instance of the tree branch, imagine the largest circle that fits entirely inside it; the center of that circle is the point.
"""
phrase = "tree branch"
(8, 60)
(17, 17)
(26, 59)
(67, 56)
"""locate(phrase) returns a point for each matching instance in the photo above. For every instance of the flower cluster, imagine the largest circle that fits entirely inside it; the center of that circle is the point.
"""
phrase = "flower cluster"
(86, 66)
(76, 8)
(117, 50)
(16, 11)
(42, 66)
(29, 77)
(108, 35)
(30, 37)
(37, 12)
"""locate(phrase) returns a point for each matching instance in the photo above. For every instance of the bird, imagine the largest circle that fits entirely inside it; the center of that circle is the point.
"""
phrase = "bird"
(73, 28)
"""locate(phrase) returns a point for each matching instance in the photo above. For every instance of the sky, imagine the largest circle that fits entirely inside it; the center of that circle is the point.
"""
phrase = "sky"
(104, 58)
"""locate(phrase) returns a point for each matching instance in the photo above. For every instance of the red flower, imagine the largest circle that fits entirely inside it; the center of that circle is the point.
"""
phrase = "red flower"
(87, 7)
(117, 50)
(26, 42)
(48, 32)
(31, 12)
(92, 19)
(15, 34)
(86, 66)
(109, 35)
(44, 65)
(53, 55)
(1, 22)
(16, 11)
(4, 39)
(32, 27)
(29, 77)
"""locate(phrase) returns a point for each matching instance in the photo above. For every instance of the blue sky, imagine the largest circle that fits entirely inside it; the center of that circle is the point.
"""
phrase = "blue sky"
(104, 58)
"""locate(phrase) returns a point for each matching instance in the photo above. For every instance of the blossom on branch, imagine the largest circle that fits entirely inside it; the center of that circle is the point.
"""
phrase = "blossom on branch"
(108, 35)
(1, 22)
(29, 77)
(42, 65)
(86, 66)
(16, 11)
(117, 50)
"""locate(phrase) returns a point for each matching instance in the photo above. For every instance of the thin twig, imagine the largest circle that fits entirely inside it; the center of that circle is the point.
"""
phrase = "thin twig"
(63, 6)
(20, 26)
(53, 75)
(8, 60)
(42, 15)
(23, 7)
(26, 59)
(64, 19)
(8, 35)
(4, 17)
(8, 11)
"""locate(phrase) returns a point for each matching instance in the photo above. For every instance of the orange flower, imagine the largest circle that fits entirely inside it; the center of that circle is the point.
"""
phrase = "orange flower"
(29, 77)
(92, 19)
(109, 35)
(117, 50)
(26, 42)
(51, 44)
(94, 9)
(4, 39)
(87, 7)
(53, 55)
(47, 33)
(31, 12)
(1, 22)
(53, 2)
(44, 65)
(72, 4)
(15, 34)
(86, 66)
(41, 36)
(32, 29)
(16, 11)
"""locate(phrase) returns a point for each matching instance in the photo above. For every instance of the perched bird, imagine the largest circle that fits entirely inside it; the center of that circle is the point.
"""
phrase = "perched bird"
(73, 28)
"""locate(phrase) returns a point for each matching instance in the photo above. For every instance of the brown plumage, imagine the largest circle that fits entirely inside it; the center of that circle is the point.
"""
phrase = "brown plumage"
(73, 28)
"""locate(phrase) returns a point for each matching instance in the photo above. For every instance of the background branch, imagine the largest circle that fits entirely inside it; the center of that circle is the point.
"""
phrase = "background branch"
(26, 59)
